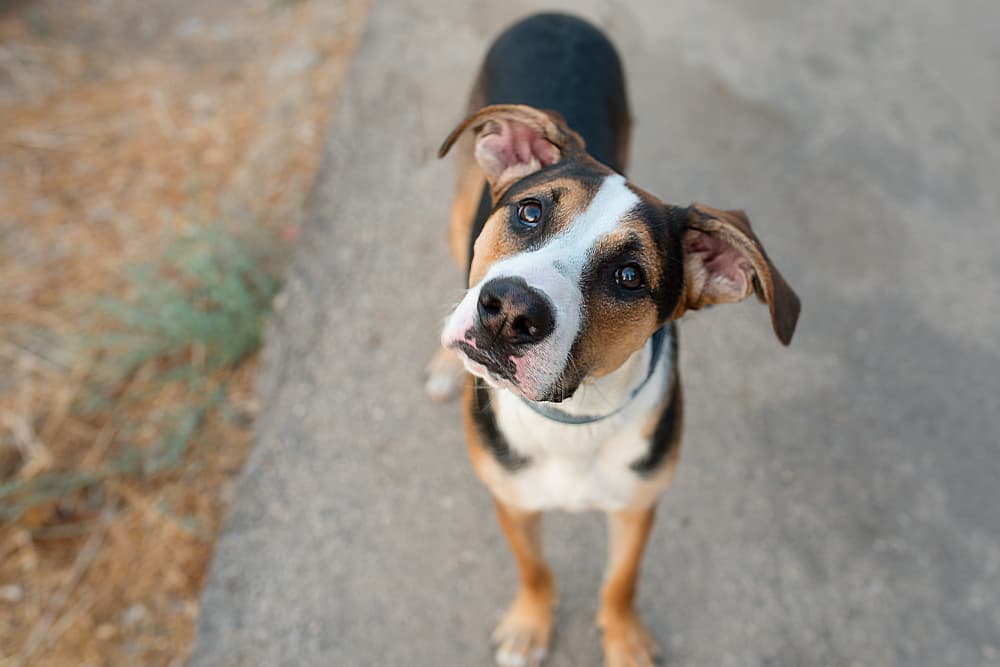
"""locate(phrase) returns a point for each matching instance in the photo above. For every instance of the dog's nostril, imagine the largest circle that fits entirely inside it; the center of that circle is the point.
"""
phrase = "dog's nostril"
(525, 327)
(491, 303)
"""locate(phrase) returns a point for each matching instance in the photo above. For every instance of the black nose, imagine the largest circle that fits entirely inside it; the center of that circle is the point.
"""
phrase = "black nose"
(511, 312)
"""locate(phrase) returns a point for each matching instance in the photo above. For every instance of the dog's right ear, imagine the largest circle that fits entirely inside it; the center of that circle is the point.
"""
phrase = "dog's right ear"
(515, 140)
(724, 262)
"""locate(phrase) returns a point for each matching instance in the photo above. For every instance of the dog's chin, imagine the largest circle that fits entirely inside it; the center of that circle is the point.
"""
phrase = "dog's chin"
(493, 378)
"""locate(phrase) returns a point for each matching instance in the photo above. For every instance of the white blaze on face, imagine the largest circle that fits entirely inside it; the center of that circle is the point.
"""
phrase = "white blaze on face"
(555, 270)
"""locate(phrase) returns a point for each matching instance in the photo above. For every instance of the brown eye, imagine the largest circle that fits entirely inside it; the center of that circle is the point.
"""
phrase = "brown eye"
(529, 212)
(629, 276)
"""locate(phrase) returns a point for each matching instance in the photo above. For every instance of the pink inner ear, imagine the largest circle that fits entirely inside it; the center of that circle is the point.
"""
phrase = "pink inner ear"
(726, 270)
(511, 145)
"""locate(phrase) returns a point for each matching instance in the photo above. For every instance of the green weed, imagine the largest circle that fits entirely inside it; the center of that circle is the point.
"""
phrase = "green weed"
(209, 298)
(194, 318)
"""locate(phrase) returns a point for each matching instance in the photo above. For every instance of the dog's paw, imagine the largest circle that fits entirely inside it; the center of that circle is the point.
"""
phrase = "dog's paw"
(445, 375)
(522, 638)
(627, 643)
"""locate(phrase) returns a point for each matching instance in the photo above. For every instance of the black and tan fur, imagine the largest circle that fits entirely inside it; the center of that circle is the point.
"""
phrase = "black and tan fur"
(554, 83)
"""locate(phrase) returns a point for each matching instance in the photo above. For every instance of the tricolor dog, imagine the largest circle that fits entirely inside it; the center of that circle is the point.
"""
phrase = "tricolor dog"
(576, 278)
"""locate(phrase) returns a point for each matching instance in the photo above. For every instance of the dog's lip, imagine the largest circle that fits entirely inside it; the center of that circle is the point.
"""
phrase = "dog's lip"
(481, 357)
(481, 364)
(486, 374)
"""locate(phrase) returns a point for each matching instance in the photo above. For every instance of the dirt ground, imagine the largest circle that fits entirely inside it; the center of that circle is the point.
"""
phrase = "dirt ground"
(123, 125)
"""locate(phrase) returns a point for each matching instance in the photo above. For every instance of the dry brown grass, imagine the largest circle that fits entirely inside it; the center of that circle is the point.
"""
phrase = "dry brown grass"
(124, 126)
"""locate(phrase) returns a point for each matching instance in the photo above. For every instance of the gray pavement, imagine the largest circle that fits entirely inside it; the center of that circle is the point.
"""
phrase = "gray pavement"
(838, 502)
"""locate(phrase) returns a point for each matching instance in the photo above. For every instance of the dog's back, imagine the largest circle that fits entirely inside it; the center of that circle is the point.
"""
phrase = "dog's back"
(562, 63)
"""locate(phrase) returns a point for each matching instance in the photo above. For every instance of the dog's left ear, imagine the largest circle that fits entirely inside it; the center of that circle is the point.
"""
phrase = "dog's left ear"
(724, 261)
(515, 140)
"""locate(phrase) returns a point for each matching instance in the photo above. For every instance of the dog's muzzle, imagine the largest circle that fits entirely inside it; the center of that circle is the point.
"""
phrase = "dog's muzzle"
(510, 316)
(511, 333)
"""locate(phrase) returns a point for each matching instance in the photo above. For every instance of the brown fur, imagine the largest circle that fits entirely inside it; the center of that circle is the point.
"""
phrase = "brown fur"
(615, 329)
(469, 183)
(527, 625)
(626, 641)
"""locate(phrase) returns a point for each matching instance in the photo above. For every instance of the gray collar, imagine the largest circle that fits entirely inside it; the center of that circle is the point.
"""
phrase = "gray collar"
(549, 411)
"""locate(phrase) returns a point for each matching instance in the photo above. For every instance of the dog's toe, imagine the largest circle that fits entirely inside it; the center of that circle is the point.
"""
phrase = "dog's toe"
(628, 644)
(522, 638)
(524, 649)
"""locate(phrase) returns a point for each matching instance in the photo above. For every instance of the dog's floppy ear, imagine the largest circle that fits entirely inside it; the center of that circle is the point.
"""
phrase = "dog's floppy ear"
(724, 261)
(514, 140)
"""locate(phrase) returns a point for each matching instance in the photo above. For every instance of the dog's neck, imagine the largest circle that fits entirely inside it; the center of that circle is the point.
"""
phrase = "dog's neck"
(602, 397)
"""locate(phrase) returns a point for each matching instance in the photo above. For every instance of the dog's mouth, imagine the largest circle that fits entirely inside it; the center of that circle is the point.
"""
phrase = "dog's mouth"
(502, 374)
(499, 373)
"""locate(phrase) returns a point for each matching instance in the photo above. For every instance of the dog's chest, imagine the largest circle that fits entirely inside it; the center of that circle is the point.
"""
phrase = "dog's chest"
(571, 467)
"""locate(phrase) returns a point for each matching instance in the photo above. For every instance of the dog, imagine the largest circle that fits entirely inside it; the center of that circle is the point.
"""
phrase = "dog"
(576, 278)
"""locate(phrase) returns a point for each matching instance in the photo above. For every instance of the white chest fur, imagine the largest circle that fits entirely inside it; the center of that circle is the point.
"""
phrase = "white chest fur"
(578, 467)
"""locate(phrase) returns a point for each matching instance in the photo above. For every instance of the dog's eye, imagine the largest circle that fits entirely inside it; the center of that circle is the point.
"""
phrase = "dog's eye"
(629, 276)
(529, 212)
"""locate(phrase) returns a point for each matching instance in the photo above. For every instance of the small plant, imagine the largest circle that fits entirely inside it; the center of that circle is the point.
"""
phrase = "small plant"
(206, 302)
(167, 351)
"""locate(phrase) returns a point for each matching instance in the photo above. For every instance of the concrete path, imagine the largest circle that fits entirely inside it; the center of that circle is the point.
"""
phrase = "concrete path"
(838, 503)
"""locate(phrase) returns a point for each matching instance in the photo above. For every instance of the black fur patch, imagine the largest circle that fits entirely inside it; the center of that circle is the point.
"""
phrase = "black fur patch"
(486, 423)
(560, 62)
(667, 226)
(666, 435)
(482, 215)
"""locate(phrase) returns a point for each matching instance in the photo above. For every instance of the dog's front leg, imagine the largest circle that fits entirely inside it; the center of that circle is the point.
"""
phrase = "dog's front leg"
(627, 643)
(522, 638)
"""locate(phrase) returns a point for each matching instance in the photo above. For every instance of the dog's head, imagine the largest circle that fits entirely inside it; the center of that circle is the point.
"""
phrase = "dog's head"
(576, 267)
